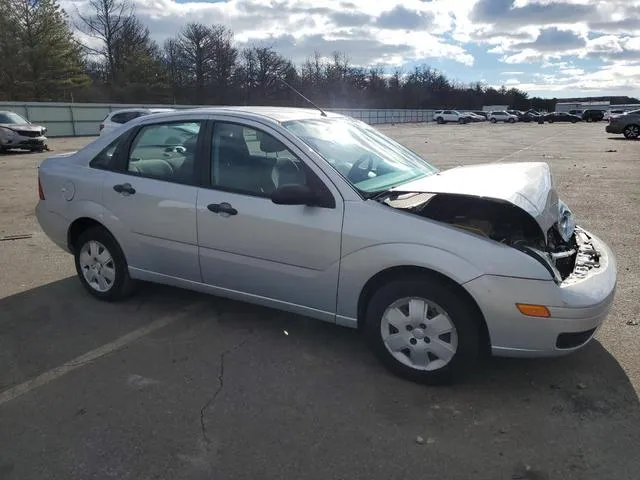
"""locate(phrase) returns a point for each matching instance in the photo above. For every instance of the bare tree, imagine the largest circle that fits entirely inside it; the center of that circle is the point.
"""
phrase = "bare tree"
(195, 44)
(105, 22)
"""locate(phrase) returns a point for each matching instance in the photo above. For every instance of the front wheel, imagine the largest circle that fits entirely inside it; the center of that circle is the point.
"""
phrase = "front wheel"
(493, 120)
(511, 120)
(439, 121)
(101, 265)
(632, 132)
(461, 121)
(423, 330)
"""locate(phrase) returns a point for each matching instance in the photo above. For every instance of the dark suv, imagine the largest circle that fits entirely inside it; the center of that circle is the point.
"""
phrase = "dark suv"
(592, 115)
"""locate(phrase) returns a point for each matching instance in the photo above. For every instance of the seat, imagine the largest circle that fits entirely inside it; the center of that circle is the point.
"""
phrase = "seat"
(152, 168)
(285, 170)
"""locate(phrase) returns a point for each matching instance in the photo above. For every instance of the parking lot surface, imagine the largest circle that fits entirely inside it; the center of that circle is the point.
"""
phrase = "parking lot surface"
(177, 385)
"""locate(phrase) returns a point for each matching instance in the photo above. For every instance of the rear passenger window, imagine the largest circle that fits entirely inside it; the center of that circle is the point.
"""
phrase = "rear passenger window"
(250, 161)
(165, 152)
(103, 159)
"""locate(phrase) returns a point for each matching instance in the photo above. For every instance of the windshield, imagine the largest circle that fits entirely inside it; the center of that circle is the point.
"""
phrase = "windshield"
(10, 117)
(369, 160)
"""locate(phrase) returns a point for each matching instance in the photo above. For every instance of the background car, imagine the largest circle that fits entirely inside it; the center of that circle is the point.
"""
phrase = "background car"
(120, 117)
(609, 113)
(628, 124)
(445, 116)
(531, 116)
(482, 113)
(576, 112)
(18, 132)
(592, 115)
(561, 117)
(501, 116)
(517, 113)
(474, 117)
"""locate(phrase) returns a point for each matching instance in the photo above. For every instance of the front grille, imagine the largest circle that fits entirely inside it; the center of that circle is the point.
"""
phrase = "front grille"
(572, 340)
(28, 133)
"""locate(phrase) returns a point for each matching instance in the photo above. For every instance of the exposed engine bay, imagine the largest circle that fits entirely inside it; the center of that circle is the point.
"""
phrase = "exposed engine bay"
(497, 220)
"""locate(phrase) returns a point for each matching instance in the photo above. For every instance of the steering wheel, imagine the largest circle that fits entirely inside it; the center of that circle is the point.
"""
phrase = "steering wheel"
(357, 173)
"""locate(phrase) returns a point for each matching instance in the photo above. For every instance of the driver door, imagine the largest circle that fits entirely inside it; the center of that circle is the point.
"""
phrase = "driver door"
(286, 256)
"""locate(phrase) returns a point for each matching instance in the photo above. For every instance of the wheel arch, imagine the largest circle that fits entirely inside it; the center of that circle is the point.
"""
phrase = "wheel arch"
(80, 225)
(385, 276)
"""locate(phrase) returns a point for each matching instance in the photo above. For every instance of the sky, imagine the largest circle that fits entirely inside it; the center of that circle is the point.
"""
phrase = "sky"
(549, 48)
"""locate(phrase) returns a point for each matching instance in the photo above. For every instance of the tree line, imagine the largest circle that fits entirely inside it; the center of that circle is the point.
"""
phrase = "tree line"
(43, 60)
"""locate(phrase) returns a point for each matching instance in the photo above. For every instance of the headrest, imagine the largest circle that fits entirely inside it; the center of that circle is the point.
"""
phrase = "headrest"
(229, 130)
(268, 144)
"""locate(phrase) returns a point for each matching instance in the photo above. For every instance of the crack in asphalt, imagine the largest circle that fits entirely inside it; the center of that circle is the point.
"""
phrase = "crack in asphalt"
(211, 401)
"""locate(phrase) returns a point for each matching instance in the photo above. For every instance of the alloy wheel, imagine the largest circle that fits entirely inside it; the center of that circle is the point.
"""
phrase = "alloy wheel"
(632, 131)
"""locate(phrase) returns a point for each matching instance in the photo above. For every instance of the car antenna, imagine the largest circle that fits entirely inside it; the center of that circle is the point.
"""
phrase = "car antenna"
(305, 98)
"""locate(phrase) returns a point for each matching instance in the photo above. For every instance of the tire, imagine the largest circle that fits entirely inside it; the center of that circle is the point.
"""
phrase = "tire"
(511, 120)
(440, 120)
(550, 120)
(461, 121)
(632, 131)
(108, 263)
(493, 120)
(457, 320)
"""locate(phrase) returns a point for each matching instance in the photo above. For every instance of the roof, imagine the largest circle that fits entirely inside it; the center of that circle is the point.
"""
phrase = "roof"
(279, 114)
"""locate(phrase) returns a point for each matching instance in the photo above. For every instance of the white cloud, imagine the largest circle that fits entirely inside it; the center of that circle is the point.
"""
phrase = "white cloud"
(551, 34)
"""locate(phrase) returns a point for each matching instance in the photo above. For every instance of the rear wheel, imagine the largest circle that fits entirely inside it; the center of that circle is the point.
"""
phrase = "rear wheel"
(461, 121)
(632, 131)
(422, 330)
(493, 120)
(512, 120)
(440, 120)
(101, 265)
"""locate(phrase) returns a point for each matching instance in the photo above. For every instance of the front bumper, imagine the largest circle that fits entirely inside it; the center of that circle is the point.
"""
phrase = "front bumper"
(614, 128)
(578, 306)
(19, 141)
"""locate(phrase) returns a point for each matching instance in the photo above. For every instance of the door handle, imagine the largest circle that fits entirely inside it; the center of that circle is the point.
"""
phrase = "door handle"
(124, 188)
(223, 207)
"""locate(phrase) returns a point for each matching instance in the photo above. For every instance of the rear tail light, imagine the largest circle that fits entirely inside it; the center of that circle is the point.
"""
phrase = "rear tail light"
(40, 191)
(101, 126)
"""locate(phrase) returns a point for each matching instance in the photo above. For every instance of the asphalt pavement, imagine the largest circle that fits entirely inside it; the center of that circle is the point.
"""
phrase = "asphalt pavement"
(173, 384)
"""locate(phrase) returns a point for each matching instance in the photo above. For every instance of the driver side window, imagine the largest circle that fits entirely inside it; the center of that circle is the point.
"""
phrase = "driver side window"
(250, 161)
(165, 152)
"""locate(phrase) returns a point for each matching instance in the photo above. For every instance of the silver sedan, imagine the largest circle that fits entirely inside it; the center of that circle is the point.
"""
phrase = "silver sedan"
(324, 216)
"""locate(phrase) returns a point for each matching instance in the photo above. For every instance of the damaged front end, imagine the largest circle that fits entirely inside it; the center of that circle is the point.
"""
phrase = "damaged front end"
(511, 203)
(564, 249)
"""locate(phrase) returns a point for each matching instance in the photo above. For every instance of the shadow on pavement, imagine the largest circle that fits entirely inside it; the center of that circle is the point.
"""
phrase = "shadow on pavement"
(256, 393)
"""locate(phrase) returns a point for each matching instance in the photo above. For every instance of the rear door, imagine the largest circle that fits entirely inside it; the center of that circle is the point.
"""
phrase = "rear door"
(150, 198)
(281, 255)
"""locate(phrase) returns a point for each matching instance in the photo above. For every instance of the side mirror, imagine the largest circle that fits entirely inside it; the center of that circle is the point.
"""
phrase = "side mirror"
(293, 194)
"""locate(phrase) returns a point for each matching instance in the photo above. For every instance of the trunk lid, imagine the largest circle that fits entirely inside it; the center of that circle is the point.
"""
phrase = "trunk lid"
(528, 186)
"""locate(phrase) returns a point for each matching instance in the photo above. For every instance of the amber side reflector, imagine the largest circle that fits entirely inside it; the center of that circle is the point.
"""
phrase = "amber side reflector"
(533, 310)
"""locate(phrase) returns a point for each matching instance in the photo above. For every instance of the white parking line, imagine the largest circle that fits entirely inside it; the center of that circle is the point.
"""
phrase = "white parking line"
(527, 148)
(82, 360)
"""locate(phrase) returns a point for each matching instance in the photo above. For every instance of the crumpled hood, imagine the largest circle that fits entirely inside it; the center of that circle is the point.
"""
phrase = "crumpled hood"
(526, 185)
(29, 127)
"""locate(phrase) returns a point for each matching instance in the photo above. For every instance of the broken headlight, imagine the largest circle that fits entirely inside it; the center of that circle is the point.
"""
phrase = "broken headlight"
(566, 223)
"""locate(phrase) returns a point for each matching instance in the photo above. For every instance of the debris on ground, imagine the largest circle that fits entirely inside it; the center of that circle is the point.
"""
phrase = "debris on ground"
(633, 322)
(581, 386)
(611, 151)
(419, 440)
(19, 236)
